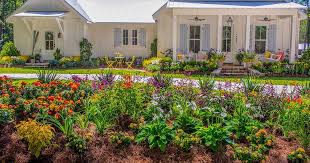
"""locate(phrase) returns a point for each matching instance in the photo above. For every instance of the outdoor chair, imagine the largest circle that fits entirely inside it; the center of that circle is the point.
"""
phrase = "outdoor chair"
(109, 62)
(274, 57)
(130, 62)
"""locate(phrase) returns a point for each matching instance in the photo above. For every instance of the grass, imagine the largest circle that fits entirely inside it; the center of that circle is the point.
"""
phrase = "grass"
(272, 80)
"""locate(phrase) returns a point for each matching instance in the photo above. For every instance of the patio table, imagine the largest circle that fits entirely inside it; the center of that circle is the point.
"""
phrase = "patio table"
(119, 61)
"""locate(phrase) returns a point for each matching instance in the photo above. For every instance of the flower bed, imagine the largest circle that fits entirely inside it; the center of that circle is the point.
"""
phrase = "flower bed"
(120, 121)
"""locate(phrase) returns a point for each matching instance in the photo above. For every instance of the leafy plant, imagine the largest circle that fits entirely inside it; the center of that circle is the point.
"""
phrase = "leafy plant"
(38, 136)
(250, 85)
(187, 123)
(246, 154)
(157, 134)
(46, 76)
(85, 50)
(120, 138)
(207, 85)
(77, 143)
(261, 140)
(298, 156)
(5, 115)
(214, 136)
(240, 57)
(57, 55)
(9, 49)
(184, 140)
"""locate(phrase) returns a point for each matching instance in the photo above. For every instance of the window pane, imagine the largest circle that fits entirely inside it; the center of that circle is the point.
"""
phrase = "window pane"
(197, 32)
(197, 46)
(192, 32)
(191, 45)
(125, 37)
(47, 45)
(257, 32)
(134, 37)
(263, 32)
(260, 47)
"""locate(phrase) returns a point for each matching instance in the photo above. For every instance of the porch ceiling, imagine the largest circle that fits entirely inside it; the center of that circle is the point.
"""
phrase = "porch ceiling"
(235, 5)
(40, 14)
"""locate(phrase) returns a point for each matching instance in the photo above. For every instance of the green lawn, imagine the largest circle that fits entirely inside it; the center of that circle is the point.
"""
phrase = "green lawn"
(273, 80)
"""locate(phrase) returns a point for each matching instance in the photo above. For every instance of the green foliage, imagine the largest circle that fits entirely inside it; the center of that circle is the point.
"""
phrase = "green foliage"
(299, 156)
(57, 55)
(187, 123)
(306, 56)
(184, 140)
(207, 85)
(120, 138)
(85, 50)
(246, 154)
(6, 116)
(9, 49)
(261, 141)
(152, 68)
(77, 143)
(250, 85)
(214, 136)
(46, 76)
(157, 135)
(240, 57)
(38, 136)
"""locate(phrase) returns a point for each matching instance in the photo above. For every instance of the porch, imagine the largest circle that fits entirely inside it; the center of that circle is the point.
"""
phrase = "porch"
(228, 30)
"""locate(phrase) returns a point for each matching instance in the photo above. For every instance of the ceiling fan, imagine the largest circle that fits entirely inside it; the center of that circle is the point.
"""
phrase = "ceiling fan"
(197, 19)
(266, 19)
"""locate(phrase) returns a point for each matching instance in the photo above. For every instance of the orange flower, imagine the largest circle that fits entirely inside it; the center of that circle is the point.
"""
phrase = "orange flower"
(128, 82)
(23, 83)
(70, 111)
(51, 98)
(37, 83)
(299, 100)
(57, 115)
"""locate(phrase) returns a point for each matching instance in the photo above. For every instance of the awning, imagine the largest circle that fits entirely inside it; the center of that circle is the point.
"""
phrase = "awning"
(235, 5)
(40, 14)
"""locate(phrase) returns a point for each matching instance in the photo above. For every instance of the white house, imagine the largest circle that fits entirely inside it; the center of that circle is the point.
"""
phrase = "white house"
(185, 26)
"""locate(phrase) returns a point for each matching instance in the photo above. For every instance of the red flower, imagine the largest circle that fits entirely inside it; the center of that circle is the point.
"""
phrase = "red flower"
(70, 111)
(57, 115)
(128, 82)
(51, 98)
(37, 83)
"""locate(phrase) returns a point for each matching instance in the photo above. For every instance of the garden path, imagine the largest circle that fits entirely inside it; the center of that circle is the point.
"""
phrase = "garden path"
(229, 86)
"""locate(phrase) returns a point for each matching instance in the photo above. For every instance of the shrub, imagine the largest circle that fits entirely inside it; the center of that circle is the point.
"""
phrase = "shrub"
(299, 156)
(154, 47)
(185, 141)
(214, 136)
(261, 140)
(120, 138)
(38, 136)
(157, 134)
(9, 49)
(240, 57)
(85, 50)
(57, 55)
(187, 123)
(153, 61)
(77, 143)
(6, 59)
(152, 68)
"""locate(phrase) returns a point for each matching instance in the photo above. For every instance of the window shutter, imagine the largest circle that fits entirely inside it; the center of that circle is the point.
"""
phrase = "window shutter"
(142, 37)
(272, 37)
(117, 37)
(183, 38)
(205, 37)
(252, 35)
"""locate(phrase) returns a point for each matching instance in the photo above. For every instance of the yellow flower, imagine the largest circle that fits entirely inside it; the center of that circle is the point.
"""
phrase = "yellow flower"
(300, 150)
(269, 143)
(299, 155)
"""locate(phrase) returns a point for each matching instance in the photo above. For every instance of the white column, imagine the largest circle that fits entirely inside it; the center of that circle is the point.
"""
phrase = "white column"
(248, 33)
(174, 37)
(293, 39)
(219, 32)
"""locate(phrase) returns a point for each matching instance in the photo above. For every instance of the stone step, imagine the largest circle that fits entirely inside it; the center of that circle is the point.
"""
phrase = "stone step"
(234, 74)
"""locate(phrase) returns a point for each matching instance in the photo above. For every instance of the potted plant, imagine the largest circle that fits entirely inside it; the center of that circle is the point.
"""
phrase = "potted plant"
(249, 59)
(220, 59)
(240, 56)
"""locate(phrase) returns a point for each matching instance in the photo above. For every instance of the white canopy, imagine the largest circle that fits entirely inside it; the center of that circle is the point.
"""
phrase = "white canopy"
(237, 5)
(40, 14)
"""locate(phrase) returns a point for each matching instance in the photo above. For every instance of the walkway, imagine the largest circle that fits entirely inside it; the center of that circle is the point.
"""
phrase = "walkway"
(229, 86)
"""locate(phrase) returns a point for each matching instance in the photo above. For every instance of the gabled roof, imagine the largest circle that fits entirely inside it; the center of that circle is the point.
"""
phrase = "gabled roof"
(126, 11)
(234, 4)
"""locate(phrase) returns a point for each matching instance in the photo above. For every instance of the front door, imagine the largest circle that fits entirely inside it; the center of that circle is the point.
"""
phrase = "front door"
(50, 45)
(227, 44)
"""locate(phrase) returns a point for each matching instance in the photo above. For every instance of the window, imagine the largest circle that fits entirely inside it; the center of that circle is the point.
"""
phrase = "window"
(226, 39)
(194, 39)
(125, 37)
(260, 39)
(49, 41)
(134, 37)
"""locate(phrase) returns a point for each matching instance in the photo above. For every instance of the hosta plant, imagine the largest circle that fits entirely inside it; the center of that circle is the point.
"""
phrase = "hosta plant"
(156, 134)
(187, 123)
(213, 136)
(38, 136)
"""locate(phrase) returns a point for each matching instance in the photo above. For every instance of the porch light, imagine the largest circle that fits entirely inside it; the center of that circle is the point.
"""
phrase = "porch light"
(230, 21)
